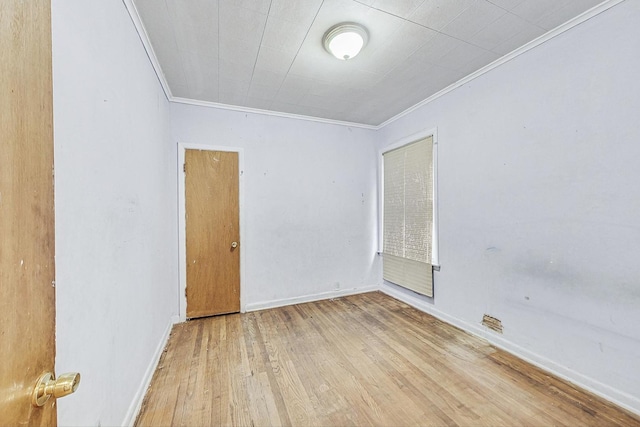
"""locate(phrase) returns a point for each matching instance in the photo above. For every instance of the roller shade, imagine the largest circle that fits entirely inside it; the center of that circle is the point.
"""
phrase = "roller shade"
(408, 216)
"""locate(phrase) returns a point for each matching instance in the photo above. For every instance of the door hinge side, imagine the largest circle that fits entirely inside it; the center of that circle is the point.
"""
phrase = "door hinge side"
(184, 167)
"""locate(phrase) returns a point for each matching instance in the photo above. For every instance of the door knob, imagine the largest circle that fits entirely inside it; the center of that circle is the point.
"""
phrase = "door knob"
(234, 245)
(48, 386)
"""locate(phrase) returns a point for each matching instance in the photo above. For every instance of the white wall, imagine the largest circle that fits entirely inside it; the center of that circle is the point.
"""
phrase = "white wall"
(116, 224)
(540, 203)
(309, 201)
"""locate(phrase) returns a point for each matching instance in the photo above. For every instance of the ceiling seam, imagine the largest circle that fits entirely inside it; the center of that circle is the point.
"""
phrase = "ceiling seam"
(175, 41)
(299, 48)
(150, 53)
(549, 35)
(426, 26)
(518, 16)
(264, 30)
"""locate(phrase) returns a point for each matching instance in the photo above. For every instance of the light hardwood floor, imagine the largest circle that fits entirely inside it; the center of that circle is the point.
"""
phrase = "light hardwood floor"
(359, 360)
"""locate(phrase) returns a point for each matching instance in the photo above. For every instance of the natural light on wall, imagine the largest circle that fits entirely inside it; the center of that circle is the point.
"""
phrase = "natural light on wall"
(346, 40)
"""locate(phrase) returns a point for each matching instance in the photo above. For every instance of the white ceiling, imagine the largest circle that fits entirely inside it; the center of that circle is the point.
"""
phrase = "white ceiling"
(268, 54)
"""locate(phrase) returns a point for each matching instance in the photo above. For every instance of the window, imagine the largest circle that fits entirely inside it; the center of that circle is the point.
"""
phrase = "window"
(408, 207)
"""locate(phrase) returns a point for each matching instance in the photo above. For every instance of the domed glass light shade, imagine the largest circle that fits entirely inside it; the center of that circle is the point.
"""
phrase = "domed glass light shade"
(346, 40)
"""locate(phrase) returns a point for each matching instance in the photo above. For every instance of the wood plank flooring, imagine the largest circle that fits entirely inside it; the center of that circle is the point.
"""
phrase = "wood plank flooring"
(360, 360)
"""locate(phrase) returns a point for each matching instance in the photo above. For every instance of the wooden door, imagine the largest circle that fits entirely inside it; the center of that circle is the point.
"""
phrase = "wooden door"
(27, 293)
(212, 232)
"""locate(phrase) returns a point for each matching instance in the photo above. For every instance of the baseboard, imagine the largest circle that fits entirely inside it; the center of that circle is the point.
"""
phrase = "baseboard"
(136, 403)
(617, 397)
(308, 298)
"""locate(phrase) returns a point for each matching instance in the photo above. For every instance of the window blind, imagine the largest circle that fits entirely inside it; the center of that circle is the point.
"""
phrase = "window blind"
(408, 216)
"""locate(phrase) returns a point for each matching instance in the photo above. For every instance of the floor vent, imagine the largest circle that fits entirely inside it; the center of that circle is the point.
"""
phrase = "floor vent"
(492, 323)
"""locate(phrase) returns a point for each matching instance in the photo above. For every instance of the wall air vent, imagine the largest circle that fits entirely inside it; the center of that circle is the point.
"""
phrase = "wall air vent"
(492, 323)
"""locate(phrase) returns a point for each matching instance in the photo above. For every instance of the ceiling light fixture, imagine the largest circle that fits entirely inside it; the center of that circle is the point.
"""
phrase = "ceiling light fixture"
(345, 40)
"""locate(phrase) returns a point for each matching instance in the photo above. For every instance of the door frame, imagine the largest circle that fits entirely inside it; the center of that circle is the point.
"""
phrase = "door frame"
(182, 224)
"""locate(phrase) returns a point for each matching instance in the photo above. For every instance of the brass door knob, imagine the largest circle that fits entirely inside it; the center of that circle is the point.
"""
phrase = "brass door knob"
(234, 245)
(48, 386)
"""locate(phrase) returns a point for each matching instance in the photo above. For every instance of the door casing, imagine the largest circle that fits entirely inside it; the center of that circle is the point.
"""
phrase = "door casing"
(182, 227)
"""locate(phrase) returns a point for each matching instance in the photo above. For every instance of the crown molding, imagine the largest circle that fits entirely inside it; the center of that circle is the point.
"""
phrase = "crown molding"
(270, 113)
(585, 16)
(146, 42)
(137, 22)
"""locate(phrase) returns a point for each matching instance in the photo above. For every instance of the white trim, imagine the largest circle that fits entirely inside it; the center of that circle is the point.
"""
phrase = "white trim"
(146, 42)
(380, 202)
(308, 298)
(435, 249)
(585, 16)
(138, 398)
(622, 399)
(182, 231)
(425, 133)
(210, 104)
